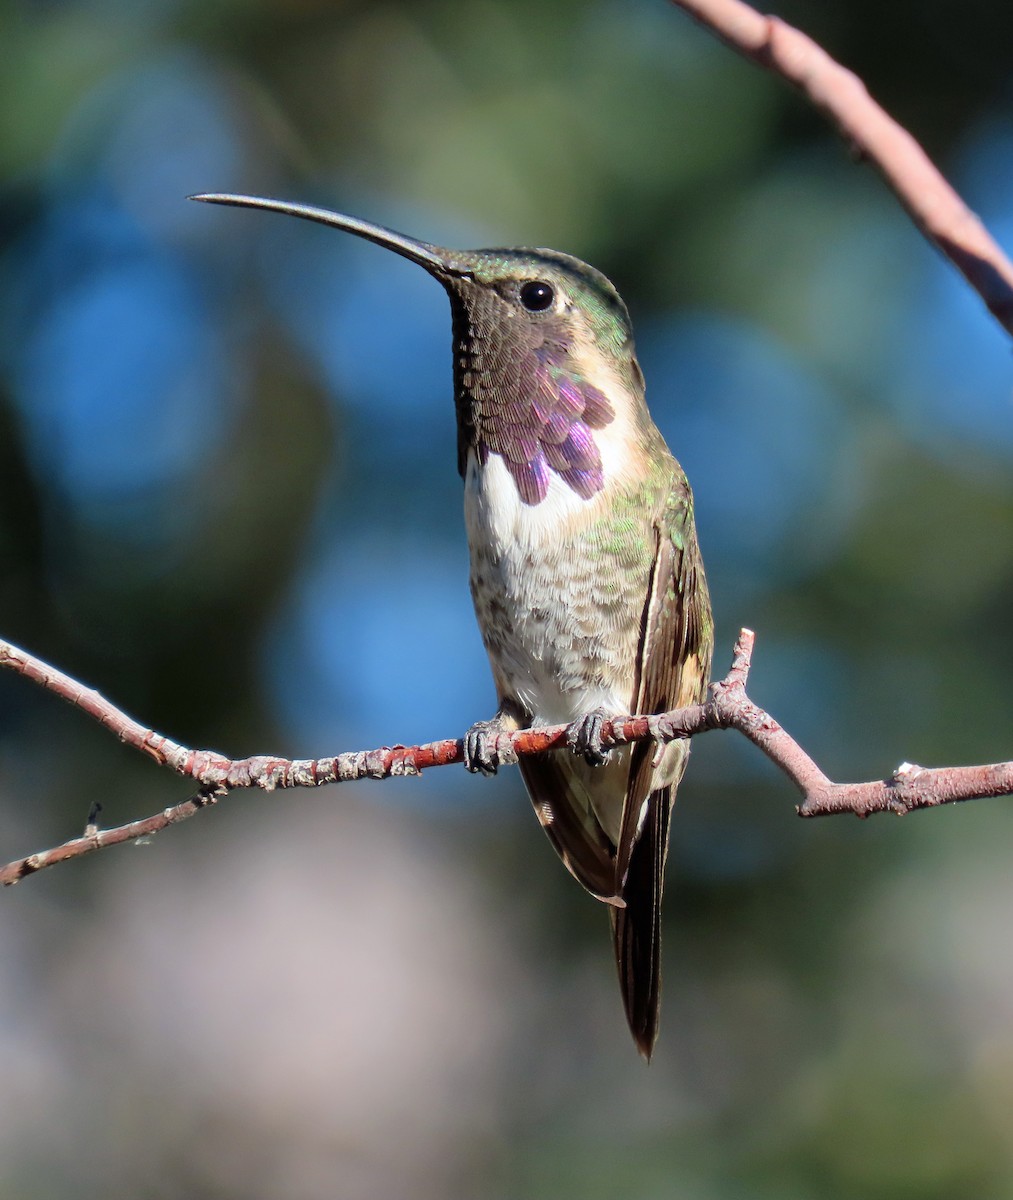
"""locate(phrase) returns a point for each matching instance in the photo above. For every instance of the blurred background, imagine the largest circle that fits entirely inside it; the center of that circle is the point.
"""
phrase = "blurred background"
(228, 499)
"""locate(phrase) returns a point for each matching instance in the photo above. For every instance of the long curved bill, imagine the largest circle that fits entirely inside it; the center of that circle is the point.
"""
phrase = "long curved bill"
(434, 259)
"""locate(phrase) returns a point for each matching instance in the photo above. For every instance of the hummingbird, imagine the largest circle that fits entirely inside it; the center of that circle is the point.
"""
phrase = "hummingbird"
(585, 569)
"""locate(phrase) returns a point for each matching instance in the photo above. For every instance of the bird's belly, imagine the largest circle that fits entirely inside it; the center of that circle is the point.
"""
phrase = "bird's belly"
(542, 655)
(560, 621)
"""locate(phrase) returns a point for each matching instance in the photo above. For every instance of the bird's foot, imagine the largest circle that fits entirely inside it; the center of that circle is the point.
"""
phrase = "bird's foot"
(586, 738)
(487, 745)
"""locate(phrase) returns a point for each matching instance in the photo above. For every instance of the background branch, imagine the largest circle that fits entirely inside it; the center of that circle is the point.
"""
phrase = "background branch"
(727, 707)
(930, 201)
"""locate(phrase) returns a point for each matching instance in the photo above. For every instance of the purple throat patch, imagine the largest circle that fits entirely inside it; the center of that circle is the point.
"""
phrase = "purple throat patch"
(548, 429)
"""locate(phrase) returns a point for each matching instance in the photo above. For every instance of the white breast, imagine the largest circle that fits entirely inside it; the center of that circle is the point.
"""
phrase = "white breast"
(535, 598)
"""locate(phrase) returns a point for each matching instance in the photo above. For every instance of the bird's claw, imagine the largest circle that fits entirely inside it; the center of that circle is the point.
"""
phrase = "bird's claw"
(484, 748)
(586, 738)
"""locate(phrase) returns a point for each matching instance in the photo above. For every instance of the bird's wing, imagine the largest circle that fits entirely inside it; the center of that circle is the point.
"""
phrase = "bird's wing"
(673, 666)
(673, 658)
(559, 785)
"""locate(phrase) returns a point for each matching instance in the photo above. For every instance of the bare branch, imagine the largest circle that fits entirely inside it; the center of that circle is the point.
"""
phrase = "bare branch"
(930, 201)
(98, 839)
(727, 707)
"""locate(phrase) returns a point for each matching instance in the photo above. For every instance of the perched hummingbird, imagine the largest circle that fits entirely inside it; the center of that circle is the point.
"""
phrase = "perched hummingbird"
(585, 570)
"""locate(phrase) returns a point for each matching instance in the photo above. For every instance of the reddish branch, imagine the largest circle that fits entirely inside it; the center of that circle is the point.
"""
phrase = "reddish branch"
(931, 202)
(727, 707)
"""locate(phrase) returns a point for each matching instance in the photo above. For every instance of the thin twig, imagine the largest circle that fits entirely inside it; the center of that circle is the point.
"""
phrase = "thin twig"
(727, 707)
(930, 201)
(98, 839)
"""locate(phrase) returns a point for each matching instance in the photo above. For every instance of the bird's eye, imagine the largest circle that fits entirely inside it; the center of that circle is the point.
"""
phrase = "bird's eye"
(537, 295)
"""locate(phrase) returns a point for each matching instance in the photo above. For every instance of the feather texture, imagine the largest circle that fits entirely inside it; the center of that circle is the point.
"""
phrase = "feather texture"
(525, 404)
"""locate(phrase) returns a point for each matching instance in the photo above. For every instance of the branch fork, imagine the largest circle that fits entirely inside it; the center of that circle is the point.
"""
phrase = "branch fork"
(728, 706)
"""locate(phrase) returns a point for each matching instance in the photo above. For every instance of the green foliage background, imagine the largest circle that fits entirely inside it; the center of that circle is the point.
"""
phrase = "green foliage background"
(228, 500)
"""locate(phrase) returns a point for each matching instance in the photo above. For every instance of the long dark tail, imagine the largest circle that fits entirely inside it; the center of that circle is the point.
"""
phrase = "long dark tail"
(636, 929)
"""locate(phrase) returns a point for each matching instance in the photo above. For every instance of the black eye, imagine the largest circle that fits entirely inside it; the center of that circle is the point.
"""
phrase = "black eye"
(537, 295)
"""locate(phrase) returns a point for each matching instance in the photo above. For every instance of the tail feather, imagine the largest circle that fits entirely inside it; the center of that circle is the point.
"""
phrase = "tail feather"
(636, 929)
